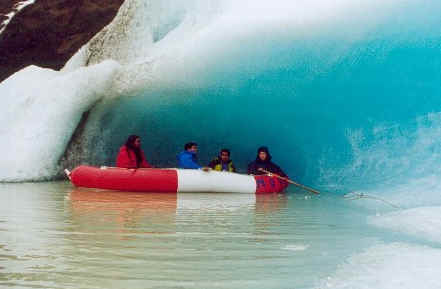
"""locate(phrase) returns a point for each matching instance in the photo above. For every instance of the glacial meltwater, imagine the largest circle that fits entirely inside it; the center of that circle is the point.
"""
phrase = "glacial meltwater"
(54, 235)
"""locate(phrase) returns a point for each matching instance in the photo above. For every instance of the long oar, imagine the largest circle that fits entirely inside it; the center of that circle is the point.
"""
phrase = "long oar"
(291, 182)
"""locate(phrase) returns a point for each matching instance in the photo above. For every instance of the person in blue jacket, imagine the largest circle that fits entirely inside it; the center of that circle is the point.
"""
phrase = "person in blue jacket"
(187, 159)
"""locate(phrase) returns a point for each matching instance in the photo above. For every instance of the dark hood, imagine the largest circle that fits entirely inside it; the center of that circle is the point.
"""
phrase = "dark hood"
(263, 149)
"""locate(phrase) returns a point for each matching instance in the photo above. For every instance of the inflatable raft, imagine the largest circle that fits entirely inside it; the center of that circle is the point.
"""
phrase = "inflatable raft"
(173, 180)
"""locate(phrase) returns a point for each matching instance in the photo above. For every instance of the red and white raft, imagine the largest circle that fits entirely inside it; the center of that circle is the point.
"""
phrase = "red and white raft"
(173, 180)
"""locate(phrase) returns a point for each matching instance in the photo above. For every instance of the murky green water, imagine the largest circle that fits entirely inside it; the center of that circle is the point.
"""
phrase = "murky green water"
(53, 235)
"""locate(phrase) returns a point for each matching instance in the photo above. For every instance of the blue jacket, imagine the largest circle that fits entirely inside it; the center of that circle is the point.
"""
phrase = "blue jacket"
(187, 160)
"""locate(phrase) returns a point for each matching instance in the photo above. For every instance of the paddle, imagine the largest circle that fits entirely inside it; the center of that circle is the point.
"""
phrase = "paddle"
(291, 182)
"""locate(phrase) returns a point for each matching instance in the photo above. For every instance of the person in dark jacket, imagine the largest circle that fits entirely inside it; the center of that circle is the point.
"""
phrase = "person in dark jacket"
(223, 162)
(131, 155)
(187, 159)
(263, 162)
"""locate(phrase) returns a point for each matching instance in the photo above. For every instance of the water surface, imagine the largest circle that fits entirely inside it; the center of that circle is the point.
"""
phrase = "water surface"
(56, 236)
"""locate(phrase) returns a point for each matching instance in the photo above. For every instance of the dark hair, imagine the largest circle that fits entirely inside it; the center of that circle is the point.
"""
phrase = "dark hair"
(225, 151)
(189, 145)
(130, 145)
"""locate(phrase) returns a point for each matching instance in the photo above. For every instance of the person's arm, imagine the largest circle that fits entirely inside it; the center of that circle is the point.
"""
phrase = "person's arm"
(188, 163)
(212, 164)
(278, 170)
(251, 170)
(144, 163)
(193, 165)
(122, 160)
(233, 167)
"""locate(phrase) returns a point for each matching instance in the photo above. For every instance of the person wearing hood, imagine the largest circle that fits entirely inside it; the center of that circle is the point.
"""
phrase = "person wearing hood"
(187, 159)
(222, 162)
(263, 162)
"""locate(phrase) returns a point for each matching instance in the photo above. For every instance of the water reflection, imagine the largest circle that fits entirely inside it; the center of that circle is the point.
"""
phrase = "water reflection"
(122, 211)
(128, 212)
(270, 203)
(215, 201)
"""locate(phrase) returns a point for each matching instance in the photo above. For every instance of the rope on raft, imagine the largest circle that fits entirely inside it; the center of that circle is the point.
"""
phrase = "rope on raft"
(356, 196)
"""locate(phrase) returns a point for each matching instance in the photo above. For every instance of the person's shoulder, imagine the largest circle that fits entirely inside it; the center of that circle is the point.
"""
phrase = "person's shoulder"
(277, 169)
(183, 154)
(123, 148)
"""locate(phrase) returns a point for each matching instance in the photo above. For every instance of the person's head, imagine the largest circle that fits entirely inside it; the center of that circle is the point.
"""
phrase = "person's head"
(263, 154)
(224, 155)
(191, 147)
(133, 142)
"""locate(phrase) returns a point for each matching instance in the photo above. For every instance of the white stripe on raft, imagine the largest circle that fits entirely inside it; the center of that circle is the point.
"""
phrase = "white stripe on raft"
(214, 181)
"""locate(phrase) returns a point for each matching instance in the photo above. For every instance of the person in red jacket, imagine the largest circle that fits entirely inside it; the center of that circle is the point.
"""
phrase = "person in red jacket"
(131, 155)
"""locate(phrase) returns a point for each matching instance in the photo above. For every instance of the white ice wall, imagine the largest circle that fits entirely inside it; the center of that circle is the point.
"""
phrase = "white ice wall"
(40, 110)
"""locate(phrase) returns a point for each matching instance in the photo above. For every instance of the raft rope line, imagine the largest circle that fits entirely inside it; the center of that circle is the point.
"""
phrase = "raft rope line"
(356, 196)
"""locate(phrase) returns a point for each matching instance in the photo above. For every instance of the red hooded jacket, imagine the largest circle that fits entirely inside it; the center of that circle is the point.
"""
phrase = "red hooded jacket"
(127, 159)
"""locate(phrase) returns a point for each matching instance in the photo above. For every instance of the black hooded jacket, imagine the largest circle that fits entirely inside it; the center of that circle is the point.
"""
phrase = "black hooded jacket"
(268, 165)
